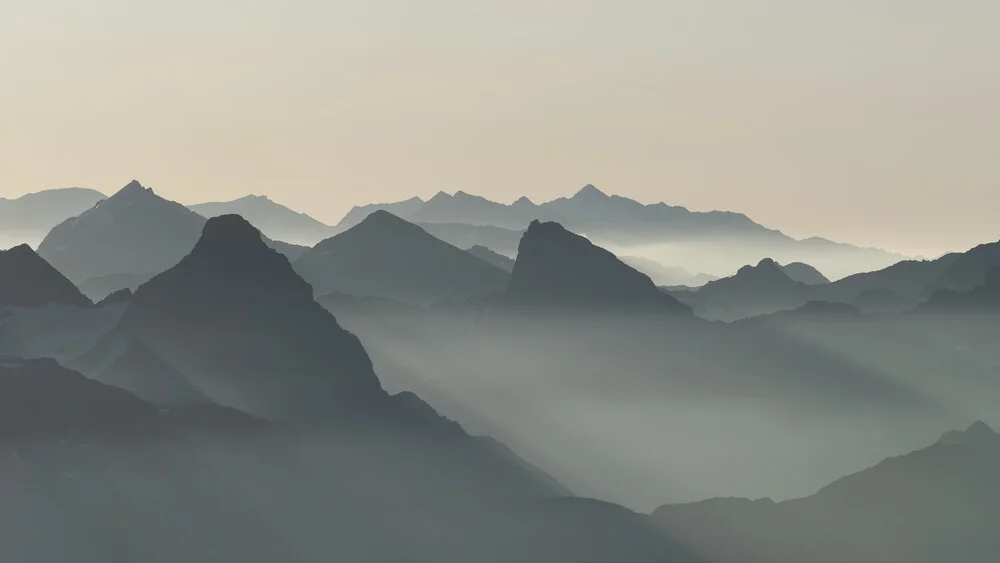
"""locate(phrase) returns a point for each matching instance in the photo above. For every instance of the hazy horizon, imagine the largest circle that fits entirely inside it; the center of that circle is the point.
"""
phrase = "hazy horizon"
(870, 123)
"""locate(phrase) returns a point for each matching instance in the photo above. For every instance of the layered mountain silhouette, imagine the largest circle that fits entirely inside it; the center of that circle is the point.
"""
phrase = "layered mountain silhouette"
(935, 504)
(556, 268)
(26, 280)
(89, 460)
(386, 256)
(274, 220)
(753, 290)
(495, 258)
(134, 232)
(359, 213)
(30, 217)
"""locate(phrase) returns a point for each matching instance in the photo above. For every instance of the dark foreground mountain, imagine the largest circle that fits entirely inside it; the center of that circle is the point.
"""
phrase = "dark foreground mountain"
(936, 504)
(30, 217)
(26, 280)
(557, 269)
(273, 219)
(92, 474)
(385, 256)
(134, 232)
(486, 255)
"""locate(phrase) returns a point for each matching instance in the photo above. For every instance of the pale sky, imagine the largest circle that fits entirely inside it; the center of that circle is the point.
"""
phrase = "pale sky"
(866, 121)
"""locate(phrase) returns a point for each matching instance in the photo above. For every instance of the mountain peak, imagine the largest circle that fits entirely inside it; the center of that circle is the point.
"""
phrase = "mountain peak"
(133, 187)
(27, 280)
(523, 200)
(590, 192)
(979, 433)
(229, 231)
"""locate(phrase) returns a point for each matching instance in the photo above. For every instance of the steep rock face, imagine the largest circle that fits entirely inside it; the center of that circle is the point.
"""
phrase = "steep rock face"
(26, 280)
(559, 269)
(235, 320)
(385, 256)
(132, 232)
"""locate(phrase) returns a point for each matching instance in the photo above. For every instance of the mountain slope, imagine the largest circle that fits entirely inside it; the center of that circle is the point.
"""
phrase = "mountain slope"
(935, 504)
(386, 256)
(804, 273)
(31, 216)
(486, 255)
(358, 213)
(26, 280)
(274, 220)
(559, 269)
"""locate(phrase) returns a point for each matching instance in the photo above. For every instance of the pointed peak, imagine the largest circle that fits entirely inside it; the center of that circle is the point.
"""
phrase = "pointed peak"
(523, 200)
(20, 250)
(442, 195)
(980, 428)
(133, 187)
(590, 192)
(979, 433)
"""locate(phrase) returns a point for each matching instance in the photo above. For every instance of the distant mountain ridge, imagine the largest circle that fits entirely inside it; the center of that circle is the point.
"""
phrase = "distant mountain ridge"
(30, 217)
(273, 219)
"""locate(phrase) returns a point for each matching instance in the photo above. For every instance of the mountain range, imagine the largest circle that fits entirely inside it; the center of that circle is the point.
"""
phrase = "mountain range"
(133, 233)
(29, 218)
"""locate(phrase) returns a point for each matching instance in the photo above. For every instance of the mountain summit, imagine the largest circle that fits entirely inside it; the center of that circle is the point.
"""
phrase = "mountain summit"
(560, 269)
(233, 321)
(386, 256)
(26, 280)
(132, 232)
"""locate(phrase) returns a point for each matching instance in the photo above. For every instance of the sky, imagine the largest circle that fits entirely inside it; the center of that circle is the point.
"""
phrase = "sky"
(866, 121)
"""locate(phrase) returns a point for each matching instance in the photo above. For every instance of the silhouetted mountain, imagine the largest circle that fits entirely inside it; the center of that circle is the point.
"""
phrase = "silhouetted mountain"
(804, 273)
(133, 232)
(503, 241)
(936, 504)
(242, 327)
(386, 256)
(274, 220)
(486, 255)
(753, 290)
(909, 279)
(358, 213)
(30, 217)
(559, 269)
(969, 270)
(26, 280)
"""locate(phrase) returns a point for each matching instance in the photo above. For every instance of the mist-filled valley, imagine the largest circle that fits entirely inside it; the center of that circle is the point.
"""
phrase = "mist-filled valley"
(584, 379)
